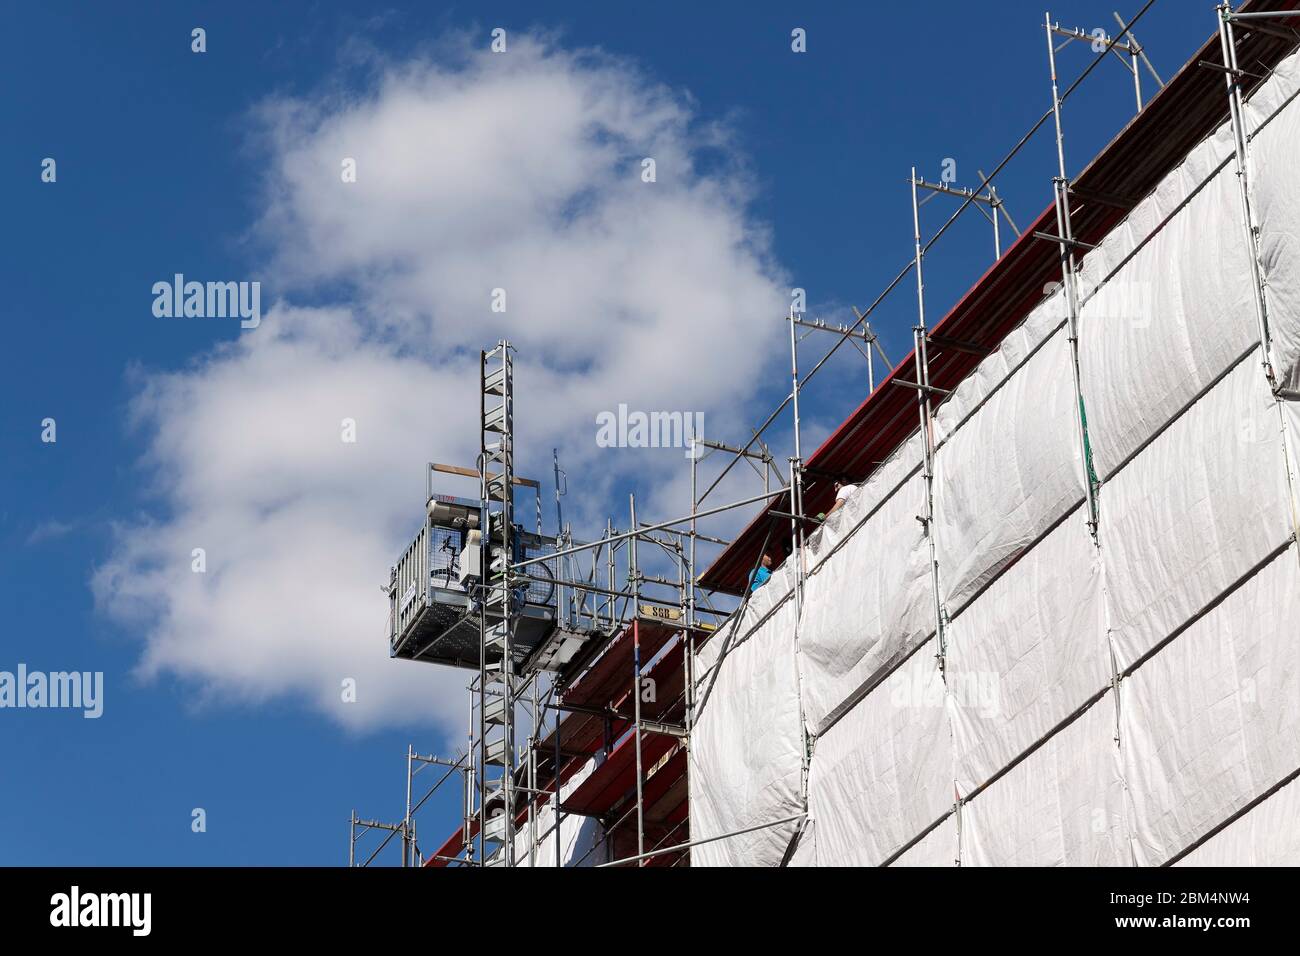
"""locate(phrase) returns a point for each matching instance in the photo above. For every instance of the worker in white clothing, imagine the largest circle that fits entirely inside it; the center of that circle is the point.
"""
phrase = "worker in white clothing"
(842, 492)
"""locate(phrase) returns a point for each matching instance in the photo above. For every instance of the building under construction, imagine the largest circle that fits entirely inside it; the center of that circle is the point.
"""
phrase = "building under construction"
(1051, 619)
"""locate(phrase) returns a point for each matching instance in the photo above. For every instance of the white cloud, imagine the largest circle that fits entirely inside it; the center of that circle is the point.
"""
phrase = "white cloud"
(518, 171)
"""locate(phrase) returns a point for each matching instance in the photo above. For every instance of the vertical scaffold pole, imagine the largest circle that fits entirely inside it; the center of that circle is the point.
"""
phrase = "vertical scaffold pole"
(796, 474)
(635, 572)
(1137, 72)
(471, 756)
(532, 759)
(1236, 110)
(690, 583)
(406, 821)
(925, 413)
(797, 529)
(485, 562)
(507, 606)
(994, 207)
(559, 814)
(1065, 234)
(609, 572)
(1241, 141)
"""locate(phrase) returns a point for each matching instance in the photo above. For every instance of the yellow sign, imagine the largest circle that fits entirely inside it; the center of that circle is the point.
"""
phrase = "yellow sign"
(661, 613)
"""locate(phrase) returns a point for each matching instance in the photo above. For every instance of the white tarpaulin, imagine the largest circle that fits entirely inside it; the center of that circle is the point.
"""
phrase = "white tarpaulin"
(1194, 500)
(994, 369)
(1211, 721)
(866, 605)
(863, 502)
(1274, 94)
(1027, 653)
(1061, 806)
(1173, 318)
(936, 848)
(747, 744)
(579, 837)
(1277, 212)
(885, 481)
(883, 773)
(1200, 507)
(1268, 835)
(1006, 475)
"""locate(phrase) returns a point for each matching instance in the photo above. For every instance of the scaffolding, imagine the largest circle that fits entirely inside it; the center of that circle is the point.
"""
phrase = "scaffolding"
(599, 741)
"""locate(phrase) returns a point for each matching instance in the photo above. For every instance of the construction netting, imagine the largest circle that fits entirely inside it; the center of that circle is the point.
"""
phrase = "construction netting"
(1049, 690)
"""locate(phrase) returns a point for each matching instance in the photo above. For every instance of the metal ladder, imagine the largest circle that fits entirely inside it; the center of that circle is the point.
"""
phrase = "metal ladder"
(498, 684)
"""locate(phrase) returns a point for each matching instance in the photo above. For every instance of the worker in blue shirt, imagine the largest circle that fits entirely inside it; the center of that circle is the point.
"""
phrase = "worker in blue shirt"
(761, 574)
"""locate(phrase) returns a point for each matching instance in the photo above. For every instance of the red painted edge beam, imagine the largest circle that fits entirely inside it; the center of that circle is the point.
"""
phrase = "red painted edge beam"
(572, 762)
(660, 803)
(579, 733)
(659, 786)
(583, 734)
(603, 681)
(584, 691)
(1189, 107)
(669, 676)
(676, 816)
(609, 782)
(454, 846)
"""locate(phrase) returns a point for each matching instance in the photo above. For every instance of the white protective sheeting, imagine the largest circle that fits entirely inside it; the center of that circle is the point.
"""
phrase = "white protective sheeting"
(1204, 503)
(866, 605)
(1178, 314)
(884, 482)
(861, 504)
(1211, 722)
(936, 848)
(1195, 499)
(1274, 94)
(579, 837)
(1061, 806)
(1268, 835)
(1277, 210)
(1005, 476)
(883, 773)
(1027, 653)
(993, 370)
(747, 744)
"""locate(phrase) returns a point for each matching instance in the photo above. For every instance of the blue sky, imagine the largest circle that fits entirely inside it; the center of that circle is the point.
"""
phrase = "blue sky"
(163, 168)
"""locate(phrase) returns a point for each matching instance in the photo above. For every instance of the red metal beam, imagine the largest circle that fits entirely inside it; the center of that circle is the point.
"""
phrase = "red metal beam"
(454, 846)
(609, 783)
(608, 676)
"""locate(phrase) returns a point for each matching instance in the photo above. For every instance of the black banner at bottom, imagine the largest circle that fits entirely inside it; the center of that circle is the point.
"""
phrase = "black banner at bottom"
(303, 905)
